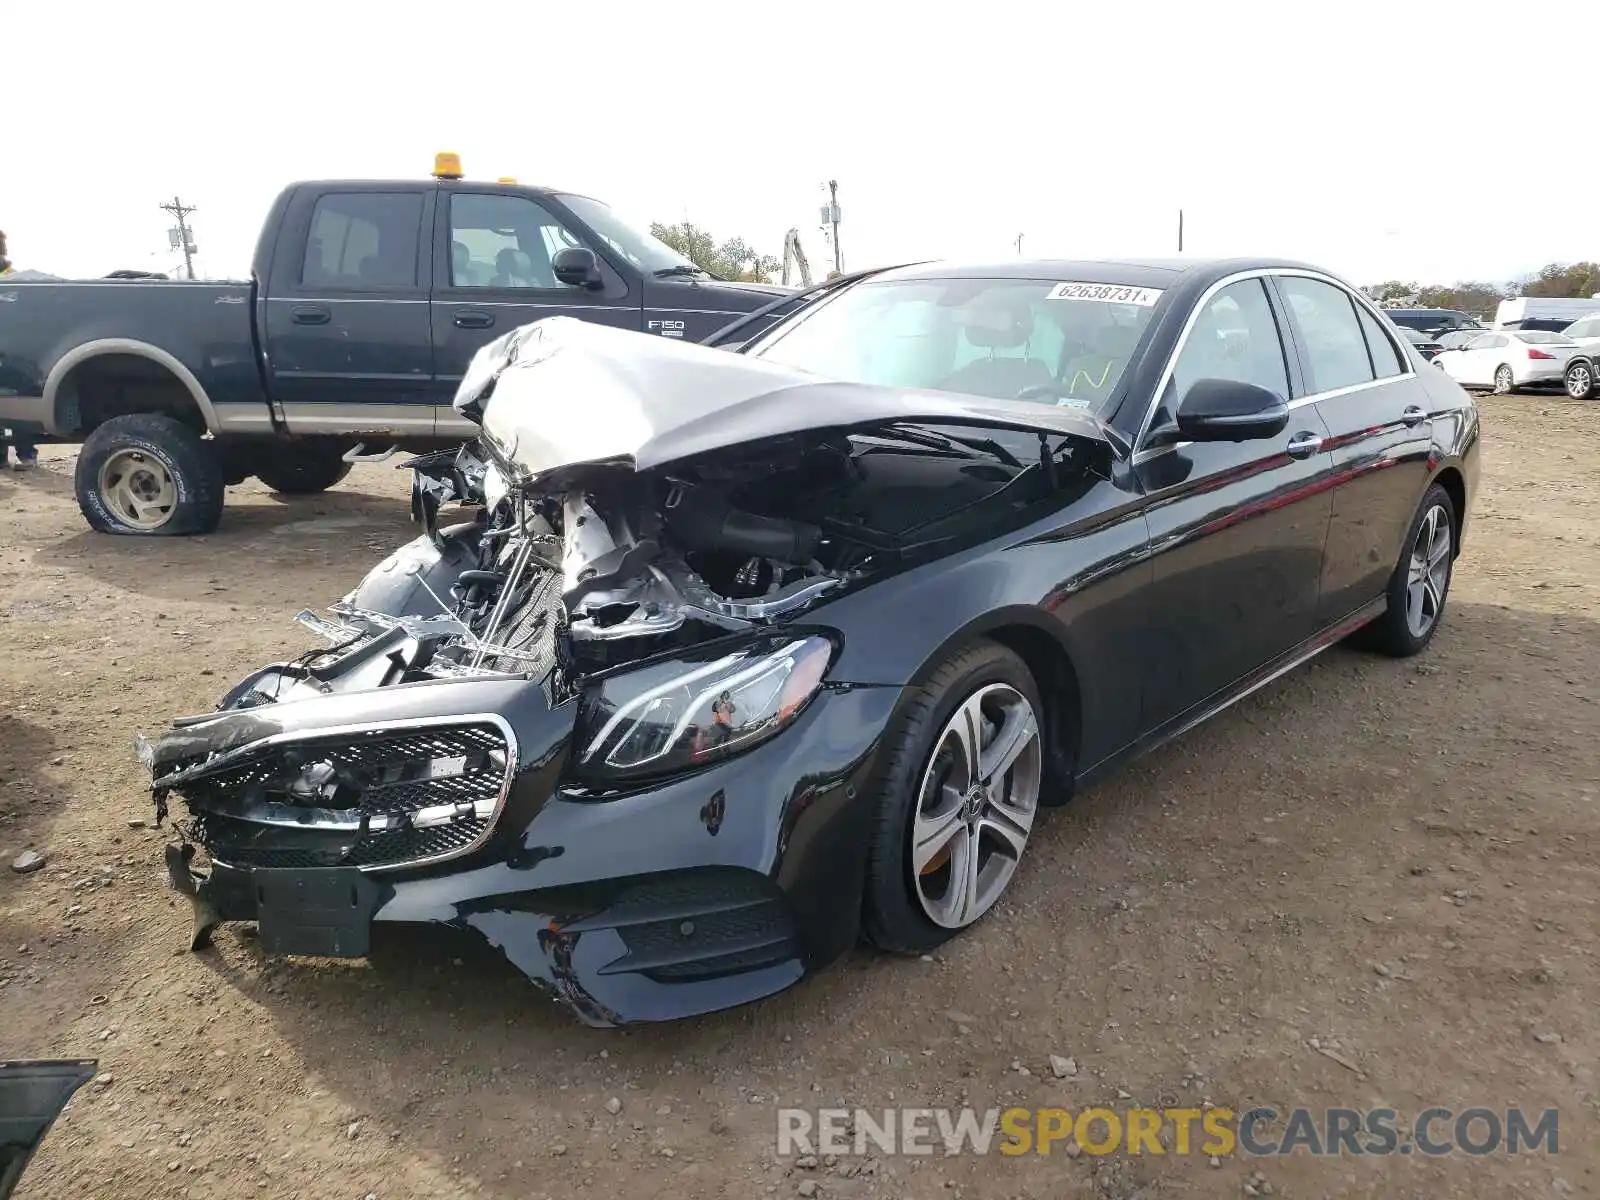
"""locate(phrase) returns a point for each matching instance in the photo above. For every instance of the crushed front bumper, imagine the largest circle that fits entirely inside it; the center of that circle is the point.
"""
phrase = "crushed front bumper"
(697, 895)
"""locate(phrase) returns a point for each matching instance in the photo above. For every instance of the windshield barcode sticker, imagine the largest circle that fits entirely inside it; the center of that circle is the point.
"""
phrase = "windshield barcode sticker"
(1106, 293)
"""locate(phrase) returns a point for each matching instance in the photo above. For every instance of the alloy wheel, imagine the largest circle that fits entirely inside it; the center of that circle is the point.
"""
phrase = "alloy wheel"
(1580, 381)
(1504, 381)
(1428, 576)
(976, 805)
(138, 487)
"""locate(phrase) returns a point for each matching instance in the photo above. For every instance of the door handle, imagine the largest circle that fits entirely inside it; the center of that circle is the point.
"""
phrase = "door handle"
(310, 314)
(473, 318)
(1412, 415)
(1304, 445)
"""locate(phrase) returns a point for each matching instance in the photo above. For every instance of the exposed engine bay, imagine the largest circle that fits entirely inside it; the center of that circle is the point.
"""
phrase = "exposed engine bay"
(628, 565)
(692, 493)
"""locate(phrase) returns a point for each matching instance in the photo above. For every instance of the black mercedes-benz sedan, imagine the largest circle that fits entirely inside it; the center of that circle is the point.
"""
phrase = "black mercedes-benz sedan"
(710, 662)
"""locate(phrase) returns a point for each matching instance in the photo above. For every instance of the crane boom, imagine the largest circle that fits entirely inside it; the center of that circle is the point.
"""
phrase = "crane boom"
(794, 256)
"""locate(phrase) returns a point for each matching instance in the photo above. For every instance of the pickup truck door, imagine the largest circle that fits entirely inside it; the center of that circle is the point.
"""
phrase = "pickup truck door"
(492, 251)
(346, 340)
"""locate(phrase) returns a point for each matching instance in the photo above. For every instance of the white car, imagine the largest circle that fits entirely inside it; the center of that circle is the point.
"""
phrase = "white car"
(1508, 359)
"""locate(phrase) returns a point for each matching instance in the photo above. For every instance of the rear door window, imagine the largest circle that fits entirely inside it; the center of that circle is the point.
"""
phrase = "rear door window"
(1335, 348)
(361, 241)
(1386, 358)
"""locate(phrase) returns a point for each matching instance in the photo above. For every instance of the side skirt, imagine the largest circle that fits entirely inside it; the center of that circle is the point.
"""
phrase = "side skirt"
(1255, 681)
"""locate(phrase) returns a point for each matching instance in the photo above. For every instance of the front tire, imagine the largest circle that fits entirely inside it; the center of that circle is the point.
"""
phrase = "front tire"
(304, 472)
(1579, 380)
(958, 797)
(1505, 382)
(1420, 584)
(149, 475)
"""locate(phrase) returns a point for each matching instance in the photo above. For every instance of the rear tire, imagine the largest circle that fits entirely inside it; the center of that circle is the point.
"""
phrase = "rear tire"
(914, 911)
(149, 475)
(1420, 585)
(1579, 380)
(301, 472)
(1505, 382)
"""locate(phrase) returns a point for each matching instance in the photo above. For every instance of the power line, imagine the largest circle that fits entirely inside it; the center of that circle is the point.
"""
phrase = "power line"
(181, 212)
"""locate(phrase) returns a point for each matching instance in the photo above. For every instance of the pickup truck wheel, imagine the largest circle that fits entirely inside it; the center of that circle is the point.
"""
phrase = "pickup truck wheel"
(305, 473)
(149, 474)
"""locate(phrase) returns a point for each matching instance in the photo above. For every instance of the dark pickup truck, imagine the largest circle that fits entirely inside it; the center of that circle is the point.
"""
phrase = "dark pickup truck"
(366, 301)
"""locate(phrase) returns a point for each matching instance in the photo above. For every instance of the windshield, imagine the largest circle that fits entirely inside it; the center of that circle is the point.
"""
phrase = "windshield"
(1540, 338)
(1043, 340)
(640, 248)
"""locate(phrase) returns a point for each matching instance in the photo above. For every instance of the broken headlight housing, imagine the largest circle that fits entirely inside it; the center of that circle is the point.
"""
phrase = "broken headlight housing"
(669, 717)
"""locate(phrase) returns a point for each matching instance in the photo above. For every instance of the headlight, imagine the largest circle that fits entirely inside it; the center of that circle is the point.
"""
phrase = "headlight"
(671, 717)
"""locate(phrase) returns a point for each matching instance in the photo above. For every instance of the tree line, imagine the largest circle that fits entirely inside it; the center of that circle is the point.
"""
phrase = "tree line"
(733, 259)
(1579, 280)
(736, 259)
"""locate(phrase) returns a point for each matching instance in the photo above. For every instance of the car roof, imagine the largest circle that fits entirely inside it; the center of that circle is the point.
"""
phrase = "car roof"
(484, 185)
(1133, 272)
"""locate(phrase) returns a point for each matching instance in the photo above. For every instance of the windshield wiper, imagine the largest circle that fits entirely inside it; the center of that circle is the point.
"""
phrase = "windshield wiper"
(987, 447)
(680, 269)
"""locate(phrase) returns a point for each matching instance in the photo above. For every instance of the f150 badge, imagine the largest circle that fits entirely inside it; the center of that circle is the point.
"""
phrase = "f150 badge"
(666, 328)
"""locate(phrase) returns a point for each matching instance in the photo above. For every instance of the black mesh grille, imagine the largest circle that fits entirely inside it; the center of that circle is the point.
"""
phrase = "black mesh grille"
(395, 774)
(384, 848)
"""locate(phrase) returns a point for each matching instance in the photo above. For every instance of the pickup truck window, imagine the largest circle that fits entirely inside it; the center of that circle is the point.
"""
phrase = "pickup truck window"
(504, 242)
(362, 240)
(644, 250)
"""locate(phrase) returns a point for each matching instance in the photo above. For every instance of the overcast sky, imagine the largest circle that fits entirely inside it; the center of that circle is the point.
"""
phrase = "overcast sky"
(1380, 140)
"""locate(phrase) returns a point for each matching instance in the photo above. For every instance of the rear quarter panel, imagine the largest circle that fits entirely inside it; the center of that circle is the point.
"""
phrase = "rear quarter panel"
(206, 329)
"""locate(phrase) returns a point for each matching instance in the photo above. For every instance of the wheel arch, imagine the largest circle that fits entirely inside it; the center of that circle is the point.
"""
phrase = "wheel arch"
(1455, 486)
(1037, 639)
(61, 402)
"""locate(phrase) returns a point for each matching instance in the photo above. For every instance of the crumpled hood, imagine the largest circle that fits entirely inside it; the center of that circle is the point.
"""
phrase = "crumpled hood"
(563, 392)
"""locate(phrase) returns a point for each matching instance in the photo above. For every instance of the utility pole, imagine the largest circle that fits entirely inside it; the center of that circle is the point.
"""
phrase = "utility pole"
(184, 235)
(833, 219)
(1180, 231)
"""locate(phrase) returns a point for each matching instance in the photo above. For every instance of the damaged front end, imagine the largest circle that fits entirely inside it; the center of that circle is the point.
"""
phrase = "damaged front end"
(586, 713)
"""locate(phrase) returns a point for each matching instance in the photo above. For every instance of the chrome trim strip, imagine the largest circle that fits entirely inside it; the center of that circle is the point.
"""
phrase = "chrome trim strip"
(226, 759)
(1261, 273)
(497, 303)
(345, 300)
(311, 416)
(128, 283)
(33, 409)
(449, 423)
(249, 417)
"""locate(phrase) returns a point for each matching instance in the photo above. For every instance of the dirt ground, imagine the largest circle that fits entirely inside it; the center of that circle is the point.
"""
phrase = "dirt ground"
(1375, 883)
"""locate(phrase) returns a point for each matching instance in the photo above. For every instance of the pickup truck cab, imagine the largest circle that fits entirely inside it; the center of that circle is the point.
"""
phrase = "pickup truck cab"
(366, 301)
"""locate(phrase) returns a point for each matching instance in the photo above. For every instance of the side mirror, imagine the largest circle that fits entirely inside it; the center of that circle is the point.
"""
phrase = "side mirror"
(1226, 410)
(576, 266)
